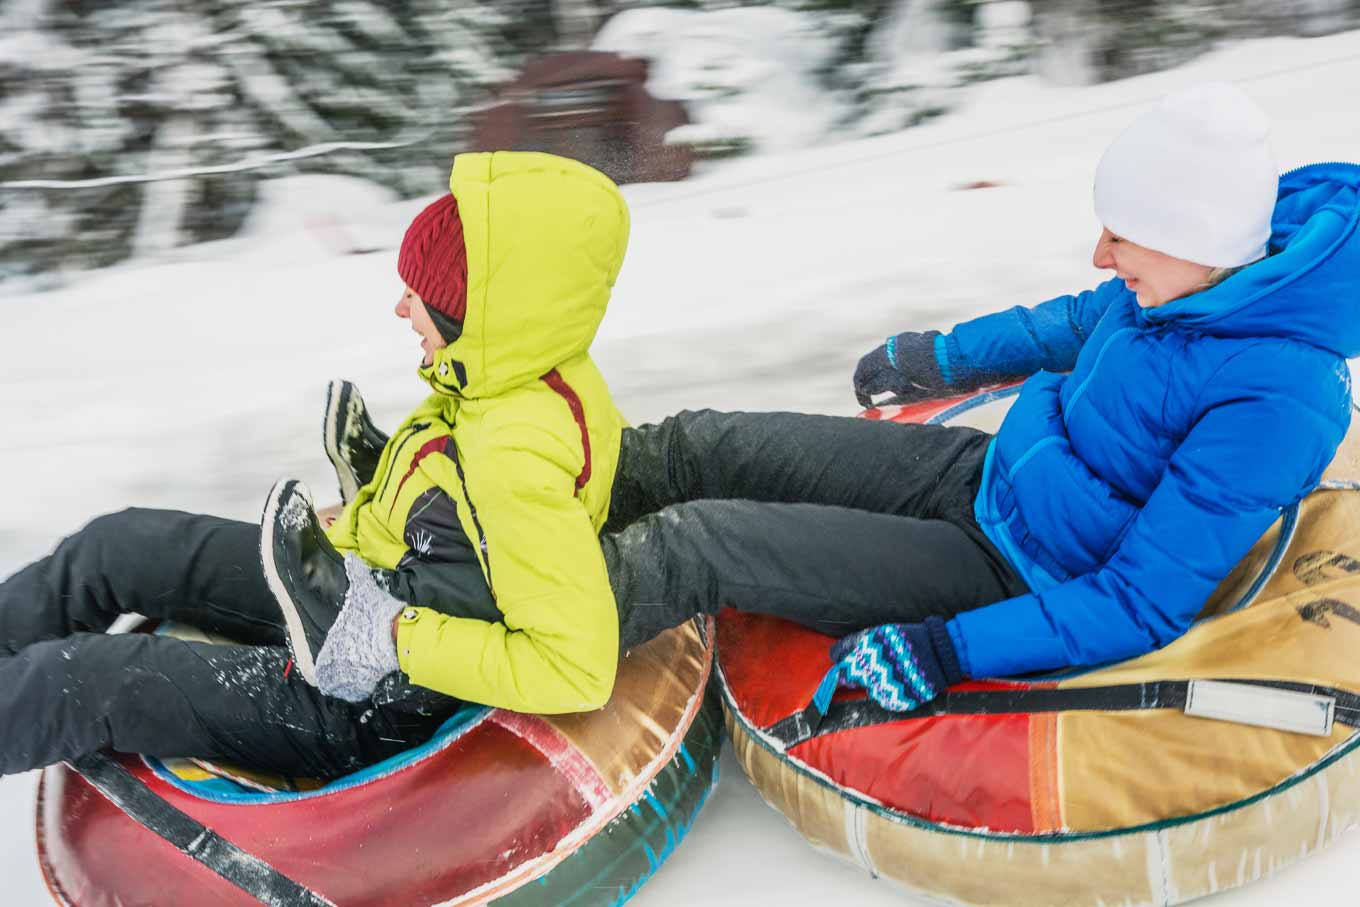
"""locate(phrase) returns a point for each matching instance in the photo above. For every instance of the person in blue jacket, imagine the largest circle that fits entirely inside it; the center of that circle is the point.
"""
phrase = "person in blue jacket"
(1172, 412)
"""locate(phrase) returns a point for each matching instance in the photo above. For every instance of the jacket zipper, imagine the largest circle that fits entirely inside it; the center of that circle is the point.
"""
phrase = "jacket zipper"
(1317, 164)
(472, 512)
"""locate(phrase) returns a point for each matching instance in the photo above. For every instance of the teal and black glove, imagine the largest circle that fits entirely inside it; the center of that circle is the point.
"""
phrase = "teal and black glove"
(900, 666)
(905, 366)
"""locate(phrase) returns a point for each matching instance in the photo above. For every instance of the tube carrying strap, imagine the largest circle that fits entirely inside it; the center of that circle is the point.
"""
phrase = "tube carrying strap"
(807, 724)
(192, 838)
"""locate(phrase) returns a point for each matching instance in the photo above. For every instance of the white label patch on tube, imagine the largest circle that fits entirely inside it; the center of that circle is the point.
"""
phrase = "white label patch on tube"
(1283, 710)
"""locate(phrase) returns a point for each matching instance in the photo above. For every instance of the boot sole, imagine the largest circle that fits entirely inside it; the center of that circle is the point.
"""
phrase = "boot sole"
(338, 395)
(292, 620)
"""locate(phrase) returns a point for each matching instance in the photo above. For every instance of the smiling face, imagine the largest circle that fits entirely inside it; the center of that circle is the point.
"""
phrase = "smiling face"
(1155, 277)
(413, 310)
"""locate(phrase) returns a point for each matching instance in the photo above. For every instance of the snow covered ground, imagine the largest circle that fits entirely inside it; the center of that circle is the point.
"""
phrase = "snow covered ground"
(195, 381)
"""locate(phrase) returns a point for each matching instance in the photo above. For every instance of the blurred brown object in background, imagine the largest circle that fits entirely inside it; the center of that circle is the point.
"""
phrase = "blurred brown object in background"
(593, 107)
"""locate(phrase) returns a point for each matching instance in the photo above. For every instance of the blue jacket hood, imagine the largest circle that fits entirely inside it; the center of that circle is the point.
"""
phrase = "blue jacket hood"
(1308, 289)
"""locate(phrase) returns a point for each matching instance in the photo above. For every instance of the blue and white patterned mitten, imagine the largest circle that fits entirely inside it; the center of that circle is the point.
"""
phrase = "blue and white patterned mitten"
(900, 666)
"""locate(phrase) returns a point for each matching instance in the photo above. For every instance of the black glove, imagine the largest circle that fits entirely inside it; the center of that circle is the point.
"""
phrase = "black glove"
(904, 366)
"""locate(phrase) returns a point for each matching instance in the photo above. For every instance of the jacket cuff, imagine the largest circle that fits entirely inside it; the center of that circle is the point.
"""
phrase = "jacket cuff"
(421, 648)
(406, 637)
(942, 358)
(945, 651)
(955, 369)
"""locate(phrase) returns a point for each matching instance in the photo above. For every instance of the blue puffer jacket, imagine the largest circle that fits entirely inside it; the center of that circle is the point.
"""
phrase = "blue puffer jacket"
(1125, 491)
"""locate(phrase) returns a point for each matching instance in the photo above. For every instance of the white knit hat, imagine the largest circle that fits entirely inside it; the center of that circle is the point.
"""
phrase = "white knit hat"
(1194, 178)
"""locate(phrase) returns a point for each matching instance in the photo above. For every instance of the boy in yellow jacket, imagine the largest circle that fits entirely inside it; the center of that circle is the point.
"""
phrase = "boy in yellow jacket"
(509, 462)
(499, 482)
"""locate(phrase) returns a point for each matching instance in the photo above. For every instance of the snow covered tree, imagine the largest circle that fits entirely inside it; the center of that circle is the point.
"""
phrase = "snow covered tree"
(135, 126)
(138, 102)
(1086, 41)
(576, 21)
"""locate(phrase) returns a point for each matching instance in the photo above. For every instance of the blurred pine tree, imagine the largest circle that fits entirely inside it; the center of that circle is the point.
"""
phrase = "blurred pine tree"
(135, 126)
(121, 95)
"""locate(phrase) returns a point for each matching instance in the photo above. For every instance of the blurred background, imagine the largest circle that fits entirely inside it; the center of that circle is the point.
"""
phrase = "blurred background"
(136, 128)
(201, 203)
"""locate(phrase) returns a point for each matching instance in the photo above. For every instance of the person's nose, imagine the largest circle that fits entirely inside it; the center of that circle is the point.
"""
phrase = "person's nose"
(403, 309)
(1102, 258)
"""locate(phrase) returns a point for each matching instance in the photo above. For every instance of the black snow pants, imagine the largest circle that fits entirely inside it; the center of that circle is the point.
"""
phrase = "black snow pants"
(834, 522)
(67, 688)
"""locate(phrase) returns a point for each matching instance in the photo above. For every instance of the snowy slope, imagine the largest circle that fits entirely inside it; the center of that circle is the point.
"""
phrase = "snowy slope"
(194, 382)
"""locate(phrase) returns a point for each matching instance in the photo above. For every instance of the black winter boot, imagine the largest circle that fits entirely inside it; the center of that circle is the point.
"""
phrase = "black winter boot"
(353, 443)
(304, 571)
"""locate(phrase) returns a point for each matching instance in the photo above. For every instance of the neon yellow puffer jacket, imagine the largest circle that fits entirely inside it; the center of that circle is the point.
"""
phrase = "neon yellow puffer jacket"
(522, 437)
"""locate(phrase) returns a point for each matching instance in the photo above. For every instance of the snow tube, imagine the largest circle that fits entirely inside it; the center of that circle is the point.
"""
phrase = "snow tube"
(1196, 768)
(498, 808)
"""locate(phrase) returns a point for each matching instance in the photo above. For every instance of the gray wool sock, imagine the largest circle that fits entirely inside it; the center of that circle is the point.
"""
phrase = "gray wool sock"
(359, 651)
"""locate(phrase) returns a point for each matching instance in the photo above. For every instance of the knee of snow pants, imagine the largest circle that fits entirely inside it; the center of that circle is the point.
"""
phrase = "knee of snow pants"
(834, 569)
(160, 696)
(165, 564)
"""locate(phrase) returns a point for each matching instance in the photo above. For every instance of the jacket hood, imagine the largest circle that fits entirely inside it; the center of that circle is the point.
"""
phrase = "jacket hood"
(1308, 288)
(545, 240)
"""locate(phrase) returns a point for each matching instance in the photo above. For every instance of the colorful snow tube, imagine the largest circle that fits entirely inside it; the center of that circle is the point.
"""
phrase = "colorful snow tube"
(498, 808)
(1138, 783)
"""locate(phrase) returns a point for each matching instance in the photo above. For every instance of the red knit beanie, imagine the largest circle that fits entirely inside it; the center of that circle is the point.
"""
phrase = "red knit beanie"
(433, 259)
